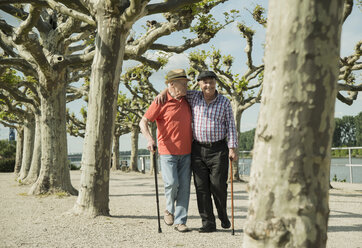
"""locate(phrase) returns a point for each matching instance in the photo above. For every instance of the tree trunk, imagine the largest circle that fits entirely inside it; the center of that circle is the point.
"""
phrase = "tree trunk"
(19, 149)
(93, 197)
(54, 172)
(289, 181)
(115, 154)
(154, 135)
(237, 116)
(29, 135)
(36, 159)
(134, 152)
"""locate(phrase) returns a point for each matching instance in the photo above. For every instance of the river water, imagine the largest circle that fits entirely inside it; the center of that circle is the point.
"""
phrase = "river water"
(338, 168)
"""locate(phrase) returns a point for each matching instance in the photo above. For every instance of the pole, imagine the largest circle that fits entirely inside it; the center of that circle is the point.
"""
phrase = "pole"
(156, 185)
(143, 166)
(350, 167)
(232, 198)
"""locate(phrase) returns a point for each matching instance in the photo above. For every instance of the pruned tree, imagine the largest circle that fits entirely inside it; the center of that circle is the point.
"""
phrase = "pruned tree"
(43, 46)
(11, 121)
(289, 181)
(22, 107)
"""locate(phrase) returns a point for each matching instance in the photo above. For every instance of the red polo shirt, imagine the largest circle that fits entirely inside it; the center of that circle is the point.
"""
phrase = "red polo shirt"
(173, 120)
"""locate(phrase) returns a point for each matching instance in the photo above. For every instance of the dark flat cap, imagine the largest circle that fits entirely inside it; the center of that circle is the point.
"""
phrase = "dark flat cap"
(206, 74)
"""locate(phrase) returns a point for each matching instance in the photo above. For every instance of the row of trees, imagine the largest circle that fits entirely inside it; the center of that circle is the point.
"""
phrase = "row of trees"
(56, 42)
(52, 48)
(347, 133)
(7, 155)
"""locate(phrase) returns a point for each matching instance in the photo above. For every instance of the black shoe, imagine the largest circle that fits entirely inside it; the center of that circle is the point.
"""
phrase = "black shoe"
(207, 229)
(226, 224)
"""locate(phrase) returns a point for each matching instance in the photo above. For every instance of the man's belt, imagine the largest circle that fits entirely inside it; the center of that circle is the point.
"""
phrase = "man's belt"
(210, 144)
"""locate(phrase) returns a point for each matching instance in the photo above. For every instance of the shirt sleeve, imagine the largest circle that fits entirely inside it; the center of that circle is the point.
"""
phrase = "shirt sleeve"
(190, 94)
(231, 129)
(153, 111)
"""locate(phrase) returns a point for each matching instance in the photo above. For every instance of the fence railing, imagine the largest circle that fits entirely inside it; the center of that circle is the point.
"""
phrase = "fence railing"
(350, 164)
(244, 161)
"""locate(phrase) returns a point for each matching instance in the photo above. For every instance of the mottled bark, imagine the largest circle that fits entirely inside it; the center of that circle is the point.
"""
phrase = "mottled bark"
(289, 180)
(19, 149)
(93, 196)
(115, 153)
(134, 151)
(36, 158)
(54, 172)
(28, 145)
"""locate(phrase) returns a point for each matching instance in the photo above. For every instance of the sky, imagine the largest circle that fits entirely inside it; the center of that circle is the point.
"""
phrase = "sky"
(229, 41)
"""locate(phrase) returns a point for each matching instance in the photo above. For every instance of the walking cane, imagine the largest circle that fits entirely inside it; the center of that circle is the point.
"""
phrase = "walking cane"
(232, 198)
(156, 185)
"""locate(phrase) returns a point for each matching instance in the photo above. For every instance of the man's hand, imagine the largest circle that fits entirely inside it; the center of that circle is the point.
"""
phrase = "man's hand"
(162, 97)
(232, 154)
(151, 144)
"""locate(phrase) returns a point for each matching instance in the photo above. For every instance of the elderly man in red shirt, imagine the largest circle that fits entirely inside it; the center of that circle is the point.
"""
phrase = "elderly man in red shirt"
(174, 146)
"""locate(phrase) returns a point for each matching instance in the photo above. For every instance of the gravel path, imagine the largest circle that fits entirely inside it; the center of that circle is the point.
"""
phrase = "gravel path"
(28, 221)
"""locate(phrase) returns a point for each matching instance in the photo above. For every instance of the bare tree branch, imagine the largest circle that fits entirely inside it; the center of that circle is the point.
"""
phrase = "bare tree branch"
(151, 63)
(8, 50)
(74, 93)
(133, 12)
(189, 43)
(26, 26)
(15, 94)
(20, 13)
(19, 64)
(347, 87)
(343, 99)
(71, 12)
(348, 6)
(78, 59)
(168, 6)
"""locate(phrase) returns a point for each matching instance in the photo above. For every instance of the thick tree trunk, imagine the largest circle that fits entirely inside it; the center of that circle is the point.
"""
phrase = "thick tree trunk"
(54, 172)
(93, 197)
(28, 145)
(115, 153)
(289, 182)
(36, 159)
(19, 149)
(154, 135)
(134, 152)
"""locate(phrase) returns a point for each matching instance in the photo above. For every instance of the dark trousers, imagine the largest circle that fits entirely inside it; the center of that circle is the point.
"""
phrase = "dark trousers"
(209, 165)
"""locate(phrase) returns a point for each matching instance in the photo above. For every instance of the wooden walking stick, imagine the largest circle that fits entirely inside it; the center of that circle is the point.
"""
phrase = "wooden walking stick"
(232, 198)
(156, 185)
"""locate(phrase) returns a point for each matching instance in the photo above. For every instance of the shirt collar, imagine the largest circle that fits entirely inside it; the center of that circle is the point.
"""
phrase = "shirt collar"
(216, 93)
(170, 98)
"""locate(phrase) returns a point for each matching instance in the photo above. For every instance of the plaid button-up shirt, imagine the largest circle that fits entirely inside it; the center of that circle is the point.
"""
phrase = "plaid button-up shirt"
(214, 121)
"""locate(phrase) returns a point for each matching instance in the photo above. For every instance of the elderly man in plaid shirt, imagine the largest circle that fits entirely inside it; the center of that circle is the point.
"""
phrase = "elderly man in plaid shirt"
(214, 142)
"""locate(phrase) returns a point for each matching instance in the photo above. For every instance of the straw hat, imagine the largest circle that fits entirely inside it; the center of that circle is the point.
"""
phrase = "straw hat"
(176, 74)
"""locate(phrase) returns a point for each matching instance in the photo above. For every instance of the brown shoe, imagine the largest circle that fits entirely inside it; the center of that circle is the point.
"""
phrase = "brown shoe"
(168, 218)
(181, 228)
